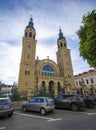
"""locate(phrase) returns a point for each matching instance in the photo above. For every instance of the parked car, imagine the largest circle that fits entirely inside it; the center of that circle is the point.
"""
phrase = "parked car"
(94, 97)
(70, 101)
(40, 104)
(6, 107)
(89, 101)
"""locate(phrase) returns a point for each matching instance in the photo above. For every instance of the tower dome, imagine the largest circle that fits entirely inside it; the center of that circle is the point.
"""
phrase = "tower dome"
(61, 35)
(30, 24)
(30, 30)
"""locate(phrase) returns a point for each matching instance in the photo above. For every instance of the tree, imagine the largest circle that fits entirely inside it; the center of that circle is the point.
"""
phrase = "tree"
(87, 36)
(15, 95)
(0, 86)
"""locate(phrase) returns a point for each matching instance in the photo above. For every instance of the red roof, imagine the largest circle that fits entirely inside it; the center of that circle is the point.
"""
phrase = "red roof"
(86, 72)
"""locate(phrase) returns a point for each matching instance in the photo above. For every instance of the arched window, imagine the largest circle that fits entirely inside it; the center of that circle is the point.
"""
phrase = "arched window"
(33, 36)
(61, 45)
(28, 56)
(26, 83)
(43, 86)
(29, 46)
(51, 88)
(59, 88)
(27, 72)
(30, 34)
(47, 70)
(64, 44)
(26, 34)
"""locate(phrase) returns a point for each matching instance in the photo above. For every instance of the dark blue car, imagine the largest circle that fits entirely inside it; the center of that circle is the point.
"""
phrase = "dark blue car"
(6, 107)
(69, 101)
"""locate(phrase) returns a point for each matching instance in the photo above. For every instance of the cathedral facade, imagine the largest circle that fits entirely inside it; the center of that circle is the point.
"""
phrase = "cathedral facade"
(44, 76)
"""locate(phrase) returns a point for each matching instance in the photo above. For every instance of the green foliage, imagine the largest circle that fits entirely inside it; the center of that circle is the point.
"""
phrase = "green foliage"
(87, 36)
(1, 95)
(15, 95)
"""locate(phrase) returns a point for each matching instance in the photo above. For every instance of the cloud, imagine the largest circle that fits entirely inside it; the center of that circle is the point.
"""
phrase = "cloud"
(79, 65)
(67, 14)
(11, 27)
(44, 50)
(9, 62)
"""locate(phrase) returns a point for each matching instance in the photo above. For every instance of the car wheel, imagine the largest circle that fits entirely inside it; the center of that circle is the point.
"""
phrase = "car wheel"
(92, 106)
(10, 115)
(74, 107)
(43, 111)
(24, 109)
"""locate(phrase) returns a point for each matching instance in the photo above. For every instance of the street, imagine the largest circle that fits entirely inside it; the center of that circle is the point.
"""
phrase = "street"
(58, 120)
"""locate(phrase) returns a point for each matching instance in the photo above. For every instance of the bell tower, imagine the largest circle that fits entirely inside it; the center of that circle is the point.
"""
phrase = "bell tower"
(64, 61)
(27, 66)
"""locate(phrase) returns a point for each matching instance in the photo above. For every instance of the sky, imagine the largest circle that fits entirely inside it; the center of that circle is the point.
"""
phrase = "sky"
(48, 17)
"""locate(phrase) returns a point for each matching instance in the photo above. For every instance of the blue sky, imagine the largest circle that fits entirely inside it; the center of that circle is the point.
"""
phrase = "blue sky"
(48, 17)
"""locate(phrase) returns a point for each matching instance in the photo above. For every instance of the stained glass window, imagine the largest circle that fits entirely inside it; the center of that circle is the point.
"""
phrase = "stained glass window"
(47, 70)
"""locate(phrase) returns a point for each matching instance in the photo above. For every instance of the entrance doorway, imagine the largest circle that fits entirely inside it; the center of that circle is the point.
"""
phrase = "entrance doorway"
(43, 88)
(59, 88)
(51, 88)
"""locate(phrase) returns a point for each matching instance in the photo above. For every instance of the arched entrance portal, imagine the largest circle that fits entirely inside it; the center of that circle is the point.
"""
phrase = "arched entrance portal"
(59, 88)
(43, 88)
(51, 88)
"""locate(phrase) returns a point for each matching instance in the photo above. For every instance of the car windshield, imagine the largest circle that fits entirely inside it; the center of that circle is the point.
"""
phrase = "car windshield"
(49, 100)
(5, 101)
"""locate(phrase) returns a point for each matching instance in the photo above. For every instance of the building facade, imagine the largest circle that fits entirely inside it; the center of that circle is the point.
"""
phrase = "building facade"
(6, 90)
(86, 82)
(45, 75)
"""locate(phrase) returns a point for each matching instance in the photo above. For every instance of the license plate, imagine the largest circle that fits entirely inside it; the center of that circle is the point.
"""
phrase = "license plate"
(6, 107)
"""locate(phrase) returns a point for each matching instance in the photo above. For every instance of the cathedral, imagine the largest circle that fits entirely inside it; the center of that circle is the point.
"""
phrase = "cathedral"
(44, 76)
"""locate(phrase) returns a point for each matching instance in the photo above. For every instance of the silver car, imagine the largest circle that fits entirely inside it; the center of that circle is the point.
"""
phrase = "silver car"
(40, 104)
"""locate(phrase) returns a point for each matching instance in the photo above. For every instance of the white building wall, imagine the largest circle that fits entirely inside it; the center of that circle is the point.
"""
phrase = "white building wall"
(87, 77)
(6, 90)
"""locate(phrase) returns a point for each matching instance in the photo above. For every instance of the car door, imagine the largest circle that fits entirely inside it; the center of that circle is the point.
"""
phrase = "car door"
(59, 102)
(31, 104)
(66, 101)
(37, 104)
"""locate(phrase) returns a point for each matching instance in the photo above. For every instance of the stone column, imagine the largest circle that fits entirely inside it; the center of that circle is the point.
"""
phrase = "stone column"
(39, 85)
(47, 86)
(29, 93)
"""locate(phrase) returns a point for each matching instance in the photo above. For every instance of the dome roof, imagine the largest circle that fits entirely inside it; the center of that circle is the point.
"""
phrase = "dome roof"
(61, 35)
(30, 24)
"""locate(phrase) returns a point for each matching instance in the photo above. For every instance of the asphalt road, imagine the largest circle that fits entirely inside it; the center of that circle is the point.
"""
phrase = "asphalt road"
(58, 120)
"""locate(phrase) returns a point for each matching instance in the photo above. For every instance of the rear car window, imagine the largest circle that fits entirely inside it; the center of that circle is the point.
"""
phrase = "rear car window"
(59, 98)
(5, 101)
(37, 100)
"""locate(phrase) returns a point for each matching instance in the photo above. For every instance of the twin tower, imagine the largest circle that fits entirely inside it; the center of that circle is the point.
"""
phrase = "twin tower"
(44, 76)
